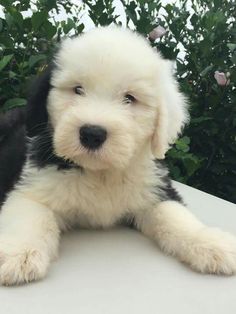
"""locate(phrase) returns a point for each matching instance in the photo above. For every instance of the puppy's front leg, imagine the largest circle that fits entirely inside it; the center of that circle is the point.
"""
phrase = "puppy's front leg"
(179, 233)
(29, 238)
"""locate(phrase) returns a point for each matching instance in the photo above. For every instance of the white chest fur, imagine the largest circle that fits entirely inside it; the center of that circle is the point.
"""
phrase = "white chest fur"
(96, 199)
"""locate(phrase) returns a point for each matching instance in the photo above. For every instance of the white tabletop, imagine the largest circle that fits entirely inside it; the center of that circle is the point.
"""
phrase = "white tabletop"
(120, 271)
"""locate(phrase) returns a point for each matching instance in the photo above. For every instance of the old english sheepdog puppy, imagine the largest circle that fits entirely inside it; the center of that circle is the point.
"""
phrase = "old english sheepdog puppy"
(98, 122)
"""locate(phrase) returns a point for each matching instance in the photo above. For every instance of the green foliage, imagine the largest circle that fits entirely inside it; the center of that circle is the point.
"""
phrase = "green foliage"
(209, 44)
(206, 34)
(27, 43)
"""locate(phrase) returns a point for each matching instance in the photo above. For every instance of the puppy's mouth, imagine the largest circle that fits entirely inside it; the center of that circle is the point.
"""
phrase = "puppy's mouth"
(93, 158)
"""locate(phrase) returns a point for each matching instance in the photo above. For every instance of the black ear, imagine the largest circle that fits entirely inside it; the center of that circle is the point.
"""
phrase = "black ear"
(36, 110)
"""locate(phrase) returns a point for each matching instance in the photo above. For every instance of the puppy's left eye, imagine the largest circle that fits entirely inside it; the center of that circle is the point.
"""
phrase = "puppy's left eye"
(129, 99)
(79, 90)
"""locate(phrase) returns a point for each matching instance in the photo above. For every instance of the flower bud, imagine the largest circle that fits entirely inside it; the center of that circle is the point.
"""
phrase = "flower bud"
(157, 32)
(221, 78)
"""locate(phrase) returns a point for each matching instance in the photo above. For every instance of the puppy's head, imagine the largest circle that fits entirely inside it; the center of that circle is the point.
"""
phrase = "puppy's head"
(112, 96)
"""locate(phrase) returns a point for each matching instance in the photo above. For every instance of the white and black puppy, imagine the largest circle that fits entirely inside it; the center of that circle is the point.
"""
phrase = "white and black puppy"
(98, 121)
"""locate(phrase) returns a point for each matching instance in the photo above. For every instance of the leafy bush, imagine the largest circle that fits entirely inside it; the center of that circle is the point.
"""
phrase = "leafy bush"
(202, 40)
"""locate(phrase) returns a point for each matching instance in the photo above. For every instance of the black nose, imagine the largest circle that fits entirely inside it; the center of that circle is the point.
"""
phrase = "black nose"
(92, 136)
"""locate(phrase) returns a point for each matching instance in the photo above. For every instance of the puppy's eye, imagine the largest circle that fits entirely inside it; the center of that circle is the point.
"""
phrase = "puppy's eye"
(79, 90)
(129, 99)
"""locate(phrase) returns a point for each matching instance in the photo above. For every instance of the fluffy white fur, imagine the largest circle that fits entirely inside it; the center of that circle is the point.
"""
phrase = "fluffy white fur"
(118, 178)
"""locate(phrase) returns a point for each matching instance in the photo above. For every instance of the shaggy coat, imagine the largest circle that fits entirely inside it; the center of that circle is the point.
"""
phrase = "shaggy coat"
(98, 121)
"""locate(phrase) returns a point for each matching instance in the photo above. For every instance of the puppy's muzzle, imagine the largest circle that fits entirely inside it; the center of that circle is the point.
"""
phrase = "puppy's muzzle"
(92, 136)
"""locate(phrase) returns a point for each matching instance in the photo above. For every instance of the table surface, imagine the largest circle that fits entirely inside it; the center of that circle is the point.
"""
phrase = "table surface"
(121, 271)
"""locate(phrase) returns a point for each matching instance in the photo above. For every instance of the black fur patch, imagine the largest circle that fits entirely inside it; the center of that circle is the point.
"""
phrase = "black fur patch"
(32, 121)
(165, 190)
(36, 113)
(12, 149)
(128, 221)
(168, 192)
(41, 152)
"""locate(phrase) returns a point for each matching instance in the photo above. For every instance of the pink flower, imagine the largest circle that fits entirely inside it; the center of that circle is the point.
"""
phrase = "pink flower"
(221, 78)
(157, 32)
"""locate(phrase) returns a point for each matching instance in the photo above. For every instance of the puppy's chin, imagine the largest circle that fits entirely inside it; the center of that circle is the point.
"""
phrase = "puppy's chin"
(108, 157)
(95, 161)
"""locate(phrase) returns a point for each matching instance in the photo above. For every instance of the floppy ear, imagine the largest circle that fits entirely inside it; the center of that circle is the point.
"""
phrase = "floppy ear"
(172, 113)
(36, 110)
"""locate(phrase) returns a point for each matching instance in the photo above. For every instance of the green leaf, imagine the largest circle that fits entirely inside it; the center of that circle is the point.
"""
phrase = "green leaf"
(206, 70)
(9, 19)
(18, 18)
(14, 102)
(186, 139)
(80, 28)
(200, 119)
(12, 74)
(6, 3)
(182, 144)
(50, 4)
(233, 58)
(191, 165)
(35, 59)
(38, 18)
(231, 46)
(69, 25)
(4, 61)
(175, 171)
(194, 18)
(50, 30)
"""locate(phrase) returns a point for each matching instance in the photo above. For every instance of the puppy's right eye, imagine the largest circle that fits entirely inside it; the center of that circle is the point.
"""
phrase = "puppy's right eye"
(79, 90)
(129, 99)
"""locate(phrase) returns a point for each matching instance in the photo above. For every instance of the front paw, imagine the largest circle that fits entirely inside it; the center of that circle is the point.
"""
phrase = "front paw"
(21, 263)
(213, 251)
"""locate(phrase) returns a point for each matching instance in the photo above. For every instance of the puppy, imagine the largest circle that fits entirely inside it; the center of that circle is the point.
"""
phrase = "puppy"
(98, 122)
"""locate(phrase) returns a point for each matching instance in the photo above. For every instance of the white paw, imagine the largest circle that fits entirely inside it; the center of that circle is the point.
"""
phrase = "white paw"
(213, 251)
(21, 263)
